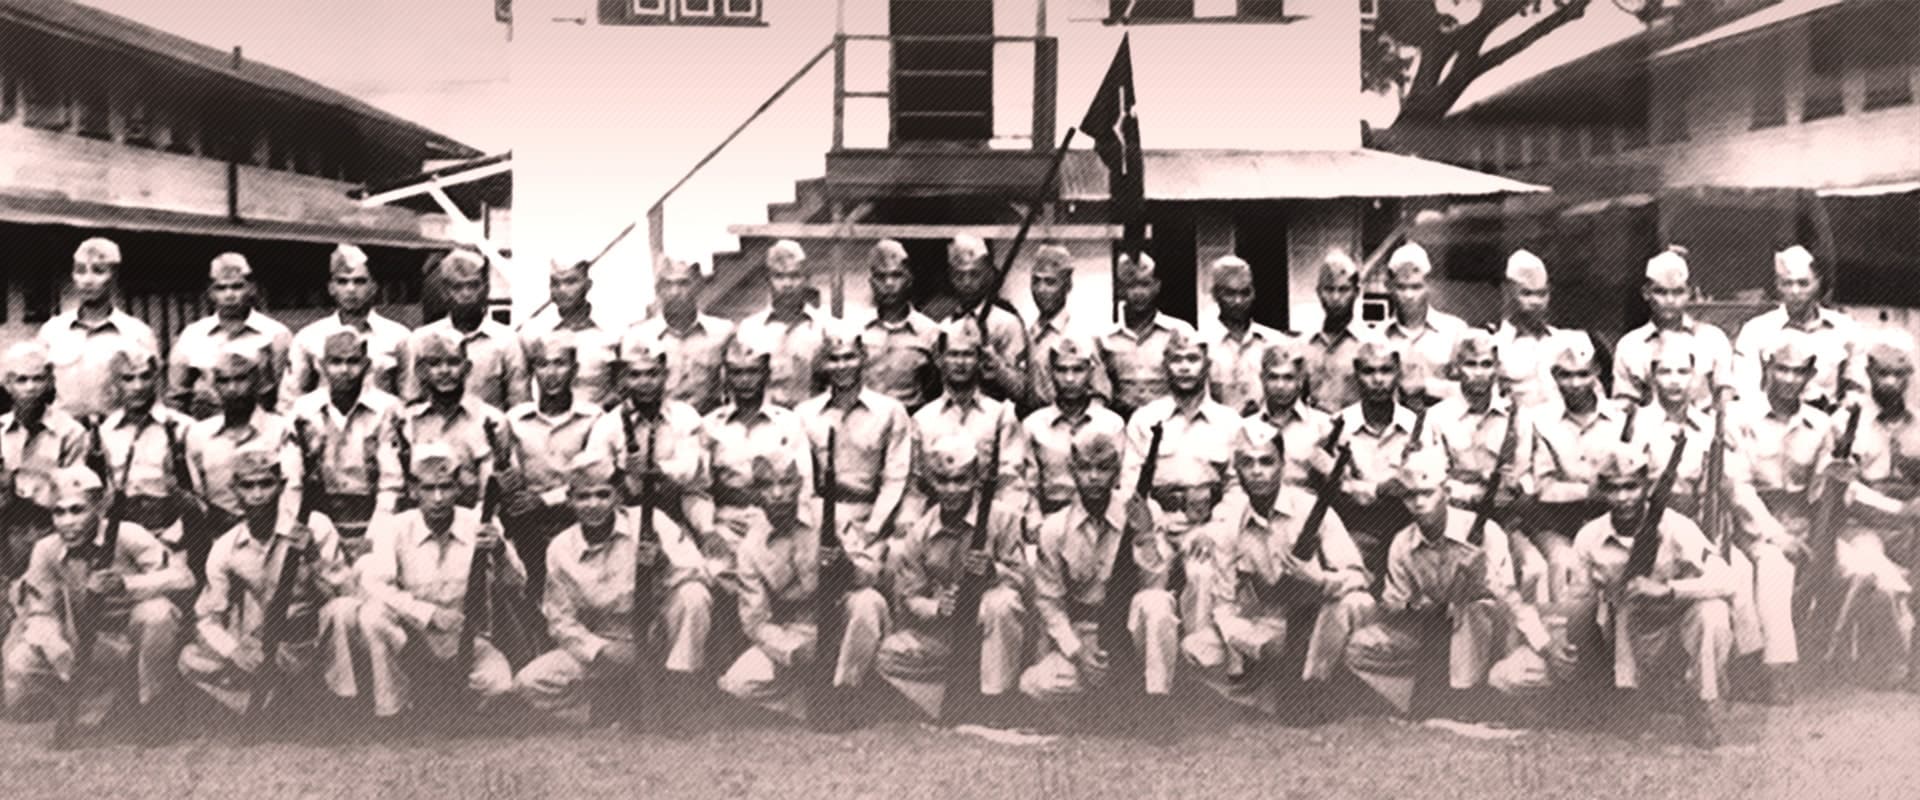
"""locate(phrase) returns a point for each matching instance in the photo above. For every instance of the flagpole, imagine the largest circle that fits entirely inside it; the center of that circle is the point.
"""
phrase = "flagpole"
(1026, 224)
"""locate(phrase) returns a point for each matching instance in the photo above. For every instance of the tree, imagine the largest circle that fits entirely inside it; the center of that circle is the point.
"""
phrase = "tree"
(1449, 50)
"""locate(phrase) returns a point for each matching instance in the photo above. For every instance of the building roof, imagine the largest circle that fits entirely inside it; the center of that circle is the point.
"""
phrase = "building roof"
(50, 210)
(1786, 11)
(1597, 86)
(83, 24)
(1287, 174)
(470, 184)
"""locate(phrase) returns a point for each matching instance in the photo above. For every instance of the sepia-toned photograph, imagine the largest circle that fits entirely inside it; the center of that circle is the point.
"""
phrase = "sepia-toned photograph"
(959, 398)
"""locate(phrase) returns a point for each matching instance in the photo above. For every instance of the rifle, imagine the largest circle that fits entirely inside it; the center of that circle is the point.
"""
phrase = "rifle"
(1477, 535)
(645, 575)
(1124, 581)
(836, 577)
(86, 619)
(1307, 545)
(1713, 509)
(273, 629)
(1646, 541)
(479, 597)
(972, 587)
(1827, 514)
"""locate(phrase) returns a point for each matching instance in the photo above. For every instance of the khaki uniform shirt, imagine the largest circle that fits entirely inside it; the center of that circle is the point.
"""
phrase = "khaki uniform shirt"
(82, 355)
(498, 377)
(386, 349)
(693, 357)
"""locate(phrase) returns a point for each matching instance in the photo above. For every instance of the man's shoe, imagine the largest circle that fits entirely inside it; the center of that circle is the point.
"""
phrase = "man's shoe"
(1780, 684)
(1701, 730)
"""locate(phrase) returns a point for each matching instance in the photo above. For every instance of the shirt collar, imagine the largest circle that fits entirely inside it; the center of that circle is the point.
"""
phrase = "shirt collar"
(457, 531)
(1058, 323)
(621, 522)
(1454, 531)
(1115, 516)
(115, 319)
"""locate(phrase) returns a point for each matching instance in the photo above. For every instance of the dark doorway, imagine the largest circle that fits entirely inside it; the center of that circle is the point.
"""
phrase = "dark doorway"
(1174, 258)
(942, 88)
(1260, 237)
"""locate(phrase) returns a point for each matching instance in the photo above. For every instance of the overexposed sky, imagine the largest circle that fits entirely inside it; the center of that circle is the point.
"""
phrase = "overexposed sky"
(440, 63)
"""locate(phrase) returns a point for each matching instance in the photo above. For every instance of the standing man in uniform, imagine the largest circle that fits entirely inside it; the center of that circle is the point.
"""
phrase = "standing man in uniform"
(1382, 434)
(243, 578)
(691, 340)
(1134, 349)
(749, 428)
(899, 341)
(872, 447)
(1050, 285)
(646, 414)
(1474, 427)
(545, 435)
(351, 285)
(36, 440)
(1424, 334)
(447, 412)
(1004, 362)
(1830, 334)
(1668, 292)
(789, 326)
(963, 408)
(1195, 425)
(1071, 359)
(1330, 348)
(590, 603)
(346, 424)
(212, 443)
(139, 631)
(1440, 586)
(152, 437)
(1236, 343)
(1302, 428)
(595, 346)
(1526, 337)
(415, 582)
(927, 566)
(80, 342)
(236, 320)
(1568, 436)
(496, 374)
(1261, 585)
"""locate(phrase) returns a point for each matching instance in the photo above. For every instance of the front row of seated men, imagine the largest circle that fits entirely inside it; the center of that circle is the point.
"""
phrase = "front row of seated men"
(398, 609)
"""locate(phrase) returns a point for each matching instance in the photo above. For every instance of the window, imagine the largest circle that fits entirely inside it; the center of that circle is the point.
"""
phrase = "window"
(95, 118)
(1672, 95)
(140, 123)
(179, 129)
(9, 99)
(46, 104)
(679, 12)
(1827, 46)
(1768, 99)
(1886, 51)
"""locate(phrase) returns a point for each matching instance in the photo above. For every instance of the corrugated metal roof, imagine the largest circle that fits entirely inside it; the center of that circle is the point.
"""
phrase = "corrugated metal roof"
(41, 210)
(82, 23)
(1287, 175)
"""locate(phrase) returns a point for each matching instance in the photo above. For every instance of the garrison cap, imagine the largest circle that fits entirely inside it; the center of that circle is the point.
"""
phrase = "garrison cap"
(126, 359)
(1337, 268)
(1092, 444)
(1230, 264)
(463, 263)
(1254, 438)
(1188, 470)
(1577, 354)
(345, 342)
(75, 481)
(891, 250)
(230, 267)
(1790, 346)
(346, 258)
(588, 469)
(785, 255)
(960, 333)
(1182, 337)
(551, 343)
(1423, 469)
(435, 341)
(1052, 259)
(1474, 343)
(965, 249)
(640, 350)
(255, 460)
(434, 458)
(236, 355)
(1136, 266)
(97, 250)
(1375, 348)
(562, 266)
(841, 336)
(1668, 269)
(1526, 270)
(28, 357)
(1072, 347)
(749, 343)
(1287, 351)
(1409, 262)
(1891, 348)
(1793, 263)
(667, 266)
(952, 453)
(1618, 460)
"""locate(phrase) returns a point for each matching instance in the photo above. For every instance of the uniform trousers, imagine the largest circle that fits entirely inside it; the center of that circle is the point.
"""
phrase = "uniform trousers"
(1388, 654)
(387, 635)
(1241, 656)
(916, 659)
(322, 639)
(1154, 628)
(768, 674)
(557, 682)
(145, 638)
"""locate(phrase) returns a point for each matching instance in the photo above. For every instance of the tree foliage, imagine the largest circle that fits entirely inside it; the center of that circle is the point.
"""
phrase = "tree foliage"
(1431, 53)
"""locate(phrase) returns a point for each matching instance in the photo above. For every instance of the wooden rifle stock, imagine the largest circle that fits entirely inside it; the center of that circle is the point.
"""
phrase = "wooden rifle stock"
(1713, 507)
(1646, 541)
(644, 574)
(273, 629)
(86, 619)
(973, 587)
(478, 600)
(835, 579)
(1307, 545)
(1483, 513)
(1124, 581)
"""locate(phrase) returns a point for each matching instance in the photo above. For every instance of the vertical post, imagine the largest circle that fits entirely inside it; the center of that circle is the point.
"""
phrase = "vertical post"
(656, 232)
(840, 89)
(838, 252)
(1046, 52)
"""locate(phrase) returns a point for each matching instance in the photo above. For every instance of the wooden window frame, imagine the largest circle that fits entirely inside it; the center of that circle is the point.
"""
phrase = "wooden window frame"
(683, 11)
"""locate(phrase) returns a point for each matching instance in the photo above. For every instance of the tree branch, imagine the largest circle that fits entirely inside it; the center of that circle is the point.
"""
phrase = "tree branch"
(1574, 9)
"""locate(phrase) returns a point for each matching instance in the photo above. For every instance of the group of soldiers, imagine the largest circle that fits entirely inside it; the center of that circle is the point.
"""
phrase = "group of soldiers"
(969, 506)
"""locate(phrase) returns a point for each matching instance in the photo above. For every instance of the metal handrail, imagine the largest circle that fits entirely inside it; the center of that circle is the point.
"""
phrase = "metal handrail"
(656, 213)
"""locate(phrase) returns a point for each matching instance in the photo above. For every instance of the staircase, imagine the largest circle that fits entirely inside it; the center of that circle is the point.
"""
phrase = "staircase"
(738, 287)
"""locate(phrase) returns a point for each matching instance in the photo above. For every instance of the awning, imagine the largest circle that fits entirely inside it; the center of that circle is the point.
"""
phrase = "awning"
(1635, 200)
(1873, 190)
(77, 214)
(1287, 175)
(1758, 20)
(468, 185)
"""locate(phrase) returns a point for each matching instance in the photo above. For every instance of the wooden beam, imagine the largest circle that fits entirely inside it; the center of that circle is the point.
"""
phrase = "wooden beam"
(827, 230)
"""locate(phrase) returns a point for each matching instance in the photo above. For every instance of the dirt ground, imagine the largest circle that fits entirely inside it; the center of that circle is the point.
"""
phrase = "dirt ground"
(1836, 742)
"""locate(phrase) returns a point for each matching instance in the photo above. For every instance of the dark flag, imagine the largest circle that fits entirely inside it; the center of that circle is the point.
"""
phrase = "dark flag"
(1116, 137)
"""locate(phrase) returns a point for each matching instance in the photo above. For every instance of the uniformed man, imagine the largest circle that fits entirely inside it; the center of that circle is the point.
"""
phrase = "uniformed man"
(35, 441)
(1071, 360)
(1669, 292)
(691, 340)
(1261, 585)
(928, 565)
(1831, 335)
(1476, 428)
(81, 342)
(1050, 285)
(353, 289)
(1526, 337)
(138, 629)
(496, 374)
(789, 325)
(648, 417)
(236, 321)
(447, 411)
(345, 424)
(212, 442)
(415, 583)
(1072, 576)
(1442, 587)
(1134, 348)
(591, 605)
(1677, 614)
(1303, 429)
(1005, 362)
(779, 573)
(900, 340)
(1785, 443)
(1330, 347)
(545, 436)
(872, 438)
(1194, 424)
(1567, 436)
(1382, 433)
(963, 408)
(1881, 483)
(733, 437)
(228, 651)
(1236, 343)
(595, 346)
(145, 445)
(1424, 334)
